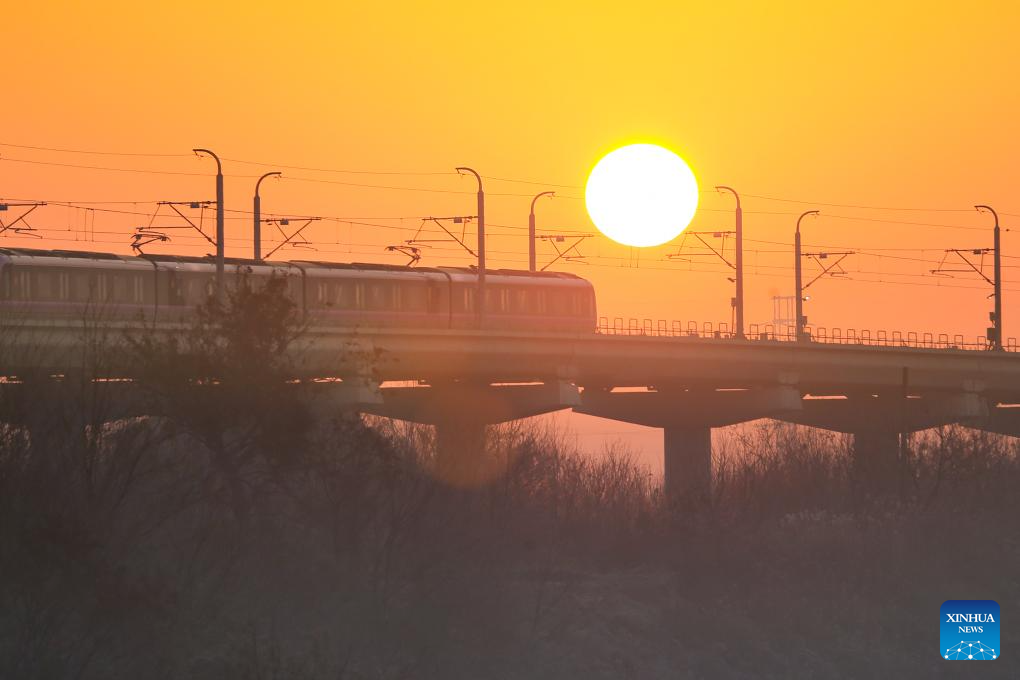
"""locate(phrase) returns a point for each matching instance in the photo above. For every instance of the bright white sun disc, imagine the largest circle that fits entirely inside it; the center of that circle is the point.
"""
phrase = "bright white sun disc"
(641, 195)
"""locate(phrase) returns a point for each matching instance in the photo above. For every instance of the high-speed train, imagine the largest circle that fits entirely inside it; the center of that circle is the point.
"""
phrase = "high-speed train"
(58, 284)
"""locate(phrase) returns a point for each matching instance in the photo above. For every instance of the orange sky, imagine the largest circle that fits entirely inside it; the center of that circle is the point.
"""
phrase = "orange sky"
(914, 106)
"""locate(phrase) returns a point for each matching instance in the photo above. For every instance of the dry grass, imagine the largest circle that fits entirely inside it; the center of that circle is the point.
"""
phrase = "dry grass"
(163, 547)
(124, 558)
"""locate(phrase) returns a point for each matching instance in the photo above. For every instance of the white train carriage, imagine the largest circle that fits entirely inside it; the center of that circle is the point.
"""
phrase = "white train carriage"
(380, 296)
(445, 297)
(63, 284)
(522, 300)
(183, 283)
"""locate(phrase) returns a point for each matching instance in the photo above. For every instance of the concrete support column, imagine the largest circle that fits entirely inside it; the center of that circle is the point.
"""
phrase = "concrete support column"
(875, 459)
(461, 458)
(687, 463)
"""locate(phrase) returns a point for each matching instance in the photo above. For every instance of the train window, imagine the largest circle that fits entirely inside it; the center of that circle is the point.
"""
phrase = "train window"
(121, 285)
(138, 288)
(23, 285)
(325, 294)
(497, 300)
(40, 285)
(435, 297)
(345, 295)
(196, 289)
(552, 303)
(379, 296)
(583, 304)
(200, 289)
(519, 301)
(566, 303)
(45, 285)
(174, 290)
(17, 284)
(537, 301)
(413, 297)
(87, 287)
(575, 304)
(504, 300)
(81, 286)
(295, 289)
(464, 299)
(569, 303)
(333, 294)
(126, 288)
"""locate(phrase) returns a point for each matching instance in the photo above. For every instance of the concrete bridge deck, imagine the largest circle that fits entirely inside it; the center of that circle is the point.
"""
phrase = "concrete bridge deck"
(463, 380)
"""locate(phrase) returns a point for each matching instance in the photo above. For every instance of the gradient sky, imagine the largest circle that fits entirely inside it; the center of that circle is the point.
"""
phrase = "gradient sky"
(896, 105)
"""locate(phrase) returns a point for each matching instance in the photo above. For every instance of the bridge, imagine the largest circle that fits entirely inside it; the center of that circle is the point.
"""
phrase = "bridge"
(462, 381)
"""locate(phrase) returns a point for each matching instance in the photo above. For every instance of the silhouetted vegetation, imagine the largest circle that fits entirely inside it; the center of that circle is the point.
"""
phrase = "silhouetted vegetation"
(231, 534)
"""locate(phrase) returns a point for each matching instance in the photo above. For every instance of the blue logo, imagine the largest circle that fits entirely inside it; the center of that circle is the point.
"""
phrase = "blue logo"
(969, 630)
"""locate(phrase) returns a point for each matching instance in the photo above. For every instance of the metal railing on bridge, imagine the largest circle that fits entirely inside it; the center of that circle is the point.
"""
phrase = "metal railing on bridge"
(820, 334)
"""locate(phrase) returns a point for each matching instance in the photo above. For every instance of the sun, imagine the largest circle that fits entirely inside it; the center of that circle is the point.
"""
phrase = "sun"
(641, 195)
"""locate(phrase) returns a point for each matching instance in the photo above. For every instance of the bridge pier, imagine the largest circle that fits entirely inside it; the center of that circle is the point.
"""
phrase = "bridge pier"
(687, 417)
(461, 450)
(461, 413)
(876, 422)
(687, 461)
(876, 458)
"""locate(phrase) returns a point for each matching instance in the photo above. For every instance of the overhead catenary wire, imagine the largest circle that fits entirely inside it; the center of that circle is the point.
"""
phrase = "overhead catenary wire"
(362, 221)
(93, 152)
(291, 178)
(409, 228)
(799, 201)
(513, 255)
(404, 222)
(855, 206)
(242, 215)
(376, 250)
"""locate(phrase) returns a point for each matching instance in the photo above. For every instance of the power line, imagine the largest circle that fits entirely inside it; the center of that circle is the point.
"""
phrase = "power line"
(360, 222)
(284, 166)
(104, 168)
(936, 281)
(94, 153)
(437, 174)
(375, 225)
(916, 224)
(315, 180)
(855, 206)
(339, 171)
